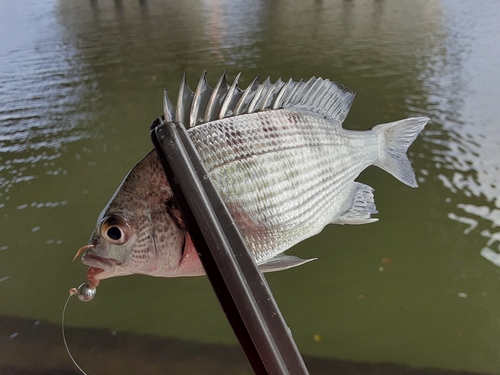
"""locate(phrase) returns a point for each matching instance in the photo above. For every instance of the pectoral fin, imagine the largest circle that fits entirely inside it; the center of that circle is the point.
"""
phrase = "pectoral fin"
(360, 206)
(282, 262)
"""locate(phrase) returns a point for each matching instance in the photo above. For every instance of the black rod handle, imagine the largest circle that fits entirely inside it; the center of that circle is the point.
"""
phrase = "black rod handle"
(240, 287)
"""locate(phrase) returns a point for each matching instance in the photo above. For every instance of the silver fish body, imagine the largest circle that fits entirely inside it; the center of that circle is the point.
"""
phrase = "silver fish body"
(281, 161)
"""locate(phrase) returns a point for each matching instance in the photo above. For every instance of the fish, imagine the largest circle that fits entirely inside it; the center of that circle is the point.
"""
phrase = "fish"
(281, 161)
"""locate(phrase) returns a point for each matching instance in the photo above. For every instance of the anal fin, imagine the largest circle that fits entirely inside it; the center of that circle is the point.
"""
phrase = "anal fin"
(282, 262)
(360, 206)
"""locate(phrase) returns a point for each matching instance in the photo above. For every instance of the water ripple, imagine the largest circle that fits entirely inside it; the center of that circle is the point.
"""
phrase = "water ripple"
(42, 109)
(464, 140)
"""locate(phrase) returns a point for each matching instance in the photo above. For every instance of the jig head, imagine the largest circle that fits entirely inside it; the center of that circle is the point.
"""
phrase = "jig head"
(84, 292)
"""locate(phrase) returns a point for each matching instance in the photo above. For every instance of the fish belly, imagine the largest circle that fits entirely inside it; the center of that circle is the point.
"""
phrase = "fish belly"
(283, 175)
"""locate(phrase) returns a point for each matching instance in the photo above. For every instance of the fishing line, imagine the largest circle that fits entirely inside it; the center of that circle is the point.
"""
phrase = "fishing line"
(72, 292)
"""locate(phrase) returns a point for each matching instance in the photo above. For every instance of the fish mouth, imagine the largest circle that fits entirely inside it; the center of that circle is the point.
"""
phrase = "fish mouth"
(107, 264)
(100, 268)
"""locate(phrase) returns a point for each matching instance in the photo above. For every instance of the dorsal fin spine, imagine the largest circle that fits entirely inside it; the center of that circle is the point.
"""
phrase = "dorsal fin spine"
(273, 91)
(232, 94)
(168, 107)
(278, 100)
(200, 100)
(184, 100)
(254, 104)
(247, 95)
(302, 93)
(218, 96)
(288, 97)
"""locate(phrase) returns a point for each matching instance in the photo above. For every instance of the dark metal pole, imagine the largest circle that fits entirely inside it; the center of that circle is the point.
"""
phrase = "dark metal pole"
(240, 287)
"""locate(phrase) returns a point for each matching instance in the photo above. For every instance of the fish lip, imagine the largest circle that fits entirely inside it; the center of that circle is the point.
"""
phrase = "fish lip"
(107, 264)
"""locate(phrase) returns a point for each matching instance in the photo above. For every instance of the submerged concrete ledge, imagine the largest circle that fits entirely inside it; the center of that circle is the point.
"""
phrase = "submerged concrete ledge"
(29, 347)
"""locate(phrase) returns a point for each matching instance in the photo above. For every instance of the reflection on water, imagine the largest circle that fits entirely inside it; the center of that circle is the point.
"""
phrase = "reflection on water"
(232, 33)
(42, 96)
(80, 82)
(468, 151)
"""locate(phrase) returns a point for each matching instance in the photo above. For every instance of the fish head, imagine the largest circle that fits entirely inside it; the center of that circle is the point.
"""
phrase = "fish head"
(141, 230)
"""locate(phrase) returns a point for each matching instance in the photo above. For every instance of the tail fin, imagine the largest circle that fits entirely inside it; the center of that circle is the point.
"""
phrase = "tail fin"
(395, 138)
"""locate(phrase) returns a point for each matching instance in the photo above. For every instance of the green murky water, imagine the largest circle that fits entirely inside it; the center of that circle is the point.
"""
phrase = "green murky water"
(81, 81)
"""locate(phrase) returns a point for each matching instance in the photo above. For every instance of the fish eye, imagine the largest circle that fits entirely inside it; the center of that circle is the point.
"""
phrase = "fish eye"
(115, 230)
(114, 233)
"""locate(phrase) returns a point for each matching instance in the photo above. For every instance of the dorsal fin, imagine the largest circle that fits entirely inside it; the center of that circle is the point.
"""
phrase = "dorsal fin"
(322, 96)
(317, 95)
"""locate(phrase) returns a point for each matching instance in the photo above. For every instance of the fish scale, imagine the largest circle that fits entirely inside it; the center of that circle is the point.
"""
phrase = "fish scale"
(281, 161)
(306, 168)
